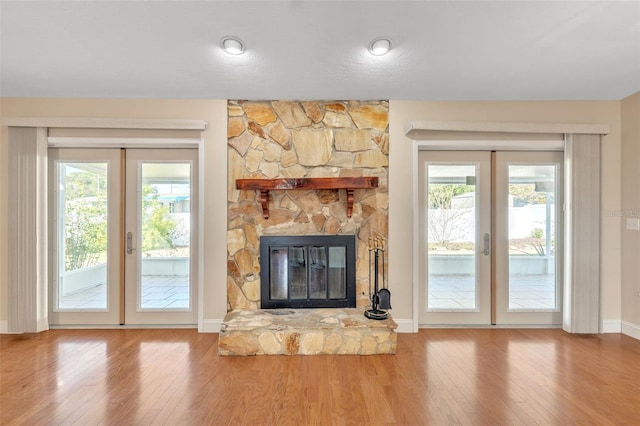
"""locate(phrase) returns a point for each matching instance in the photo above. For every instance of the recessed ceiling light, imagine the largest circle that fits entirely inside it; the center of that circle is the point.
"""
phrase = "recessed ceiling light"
(380, 46)
(232, 45)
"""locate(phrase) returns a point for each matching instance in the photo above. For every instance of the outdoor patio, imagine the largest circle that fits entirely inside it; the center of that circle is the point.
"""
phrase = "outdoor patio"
(159, 292)
(527, 292)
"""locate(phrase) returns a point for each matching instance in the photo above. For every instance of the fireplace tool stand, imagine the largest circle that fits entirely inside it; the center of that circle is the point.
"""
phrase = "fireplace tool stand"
(381, 297)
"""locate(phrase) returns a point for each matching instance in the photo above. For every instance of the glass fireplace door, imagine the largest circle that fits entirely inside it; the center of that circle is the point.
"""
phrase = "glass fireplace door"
(306, 272)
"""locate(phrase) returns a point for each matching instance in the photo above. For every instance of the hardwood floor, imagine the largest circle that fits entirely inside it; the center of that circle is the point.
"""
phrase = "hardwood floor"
(440, 377)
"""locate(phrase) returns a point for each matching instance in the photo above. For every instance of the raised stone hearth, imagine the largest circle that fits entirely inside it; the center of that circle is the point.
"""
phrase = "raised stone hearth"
(344, 331)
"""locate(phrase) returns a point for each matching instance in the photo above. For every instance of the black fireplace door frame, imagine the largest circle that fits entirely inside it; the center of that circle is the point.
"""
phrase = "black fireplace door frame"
(282, 241)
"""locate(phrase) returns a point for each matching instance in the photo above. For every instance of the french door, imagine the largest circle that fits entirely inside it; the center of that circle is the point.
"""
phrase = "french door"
(124, 236)
(491, 238)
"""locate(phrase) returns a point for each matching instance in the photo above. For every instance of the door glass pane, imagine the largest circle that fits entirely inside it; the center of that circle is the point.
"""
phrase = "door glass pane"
(451, 237)
(337, 272)
(82, 241)
(532, 236)
(317, 272)
(165, 230)
(279, 279)
(298, 272)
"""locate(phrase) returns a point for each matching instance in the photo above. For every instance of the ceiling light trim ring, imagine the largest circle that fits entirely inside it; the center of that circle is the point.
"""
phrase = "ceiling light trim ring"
(232, 45)
(380, 46)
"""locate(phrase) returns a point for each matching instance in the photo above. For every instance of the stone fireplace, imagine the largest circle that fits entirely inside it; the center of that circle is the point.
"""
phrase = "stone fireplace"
(306, 139)
(288, 155)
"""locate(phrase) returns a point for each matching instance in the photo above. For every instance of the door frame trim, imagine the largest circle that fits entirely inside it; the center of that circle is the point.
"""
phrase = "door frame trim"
(135, 313)
(453, 145)
(494, 258)
(200, 256)
(123, 158)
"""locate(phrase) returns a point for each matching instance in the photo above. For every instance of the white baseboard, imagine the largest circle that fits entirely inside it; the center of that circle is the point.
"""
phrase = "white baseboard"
(211, 326)
(611, 326)
(630, 329)
(4, 327)
(404, 325)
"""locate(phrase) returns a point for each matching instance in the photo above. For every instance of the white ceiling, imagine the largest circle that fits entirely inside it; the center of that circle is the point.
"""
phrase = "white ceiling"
(301, 49)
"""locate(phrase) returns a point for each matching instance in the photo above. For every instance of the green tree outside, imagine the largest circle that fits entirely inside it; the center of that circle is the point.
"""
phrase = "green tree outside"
(158, 227)
(440, 195)
(527, 193)
(86, 219)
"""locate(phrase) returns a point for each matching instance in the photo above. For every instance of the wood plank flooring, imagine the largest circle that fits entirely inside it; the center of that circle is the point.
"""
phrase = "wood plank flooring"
(439, 377)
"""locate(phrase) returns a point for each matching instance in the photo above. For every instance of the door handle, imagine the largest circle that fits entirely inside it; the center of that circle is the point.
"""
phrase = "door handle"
(130, 248)
(487, 245)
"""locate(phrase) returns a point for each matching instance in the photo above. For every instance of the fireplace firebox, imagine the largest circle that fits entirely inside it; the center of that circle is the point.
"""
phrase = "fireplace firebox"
(315, 271)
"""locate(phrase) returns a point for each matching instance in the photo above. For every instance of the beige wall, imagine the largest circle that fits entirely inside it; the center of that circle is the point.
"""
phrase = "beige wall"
(630, 209)
(214, 112)
(401, 113)
(4, 230)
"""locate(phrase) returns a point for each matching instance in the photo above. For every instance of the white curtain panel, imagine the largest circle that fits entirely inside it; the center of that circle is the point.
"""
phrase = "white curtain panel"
(27, 236)
(581, 310)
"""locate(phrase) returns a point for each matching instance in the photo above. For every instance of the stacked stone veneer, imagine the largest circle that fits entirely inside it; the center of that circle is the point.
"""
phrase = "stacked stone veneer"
(271, 139)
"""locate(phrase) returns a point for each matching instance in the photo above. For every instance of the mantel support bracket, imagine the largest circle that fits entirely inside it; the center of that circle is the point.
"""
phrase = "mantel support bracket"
(349, 202)
(264, 202)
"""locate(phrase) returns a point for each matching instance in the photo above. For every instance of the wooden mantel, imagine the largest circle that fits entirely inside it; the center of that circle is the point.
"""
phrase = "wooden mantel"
(348, 183)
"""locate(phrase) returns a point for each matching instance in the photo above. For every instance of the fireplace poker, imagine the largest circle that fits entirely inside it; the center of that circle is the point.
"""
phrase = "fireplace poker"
(377, 247)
